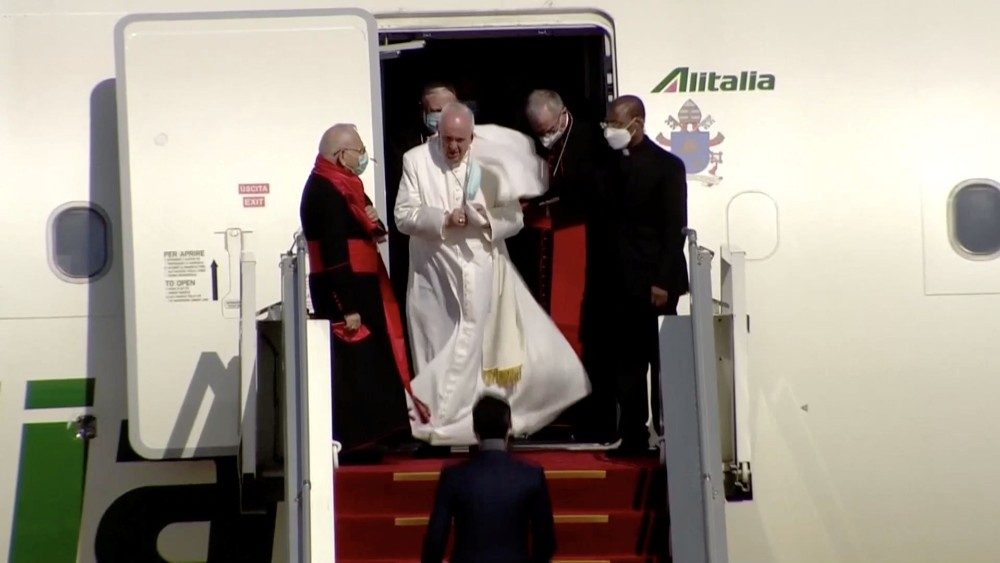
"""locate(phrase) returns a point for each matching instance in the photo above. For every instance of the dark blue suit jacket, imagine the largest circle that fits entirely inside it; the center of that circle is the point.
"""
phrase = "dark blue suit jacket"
(501, 510)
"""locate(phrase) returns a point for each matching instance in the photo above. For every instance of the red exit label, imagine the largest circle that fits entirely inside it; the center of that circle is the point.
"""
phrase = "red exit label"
(255, 188)
(253, 202)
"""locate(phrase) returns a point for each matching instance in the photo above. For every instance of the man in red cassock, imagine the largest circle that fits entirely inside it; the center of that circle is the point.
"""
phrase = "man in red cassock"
(572, 267)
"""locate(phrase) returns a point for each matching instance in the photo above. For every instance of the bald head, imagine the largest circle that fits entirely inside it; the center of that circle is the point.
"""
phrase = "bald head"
(337, 138)
(629, 107)
(455, 131)
(628, 112)
(342, 145)
(457, 114)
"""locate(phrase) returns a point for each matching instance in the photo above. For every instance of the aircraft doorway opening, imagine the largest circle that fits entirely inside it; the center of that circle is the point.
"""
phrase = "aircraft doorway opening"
(494, 71)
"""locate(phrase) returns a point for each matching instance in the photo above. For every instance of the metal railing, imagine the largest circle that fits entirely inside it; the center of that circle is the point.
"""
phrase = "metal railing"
(689, 395)
(309, 448)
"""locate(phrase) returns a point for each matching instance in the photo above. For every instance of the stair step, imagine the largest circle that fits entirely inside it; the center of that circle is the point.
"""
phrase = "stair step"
(557, 559)
(578, 535)
(578, 481)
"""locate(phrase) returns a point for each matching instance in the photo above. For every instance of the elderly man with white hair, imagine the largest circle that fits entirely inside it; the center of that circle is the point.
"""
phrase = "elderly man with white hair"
(474, 327)
(350, 288)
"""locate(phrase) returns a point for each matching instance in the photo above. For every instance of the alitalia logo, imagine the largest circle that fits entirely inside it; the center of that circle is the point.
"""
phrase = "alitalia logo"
(683, 79)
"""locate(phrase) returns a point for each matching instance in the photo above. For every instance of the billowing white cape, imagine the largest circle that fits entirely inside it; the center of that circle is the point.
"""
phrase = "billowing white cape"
(464, 296)
(510, 155)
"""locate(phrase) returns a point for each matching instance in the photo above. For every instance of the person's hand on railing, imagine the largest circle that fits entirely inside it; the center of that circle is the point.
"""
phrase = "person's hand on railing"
(337, 446)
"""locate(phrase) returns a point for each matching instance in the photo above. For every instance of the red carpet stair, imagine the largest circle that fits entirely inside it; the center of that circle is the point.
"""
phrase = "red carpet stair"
(607, 511)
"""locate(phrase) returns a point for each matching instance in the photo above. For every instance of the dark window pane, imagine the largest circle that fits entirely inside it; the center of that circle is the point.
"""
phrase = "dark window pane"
(976, 212)
(80, 242)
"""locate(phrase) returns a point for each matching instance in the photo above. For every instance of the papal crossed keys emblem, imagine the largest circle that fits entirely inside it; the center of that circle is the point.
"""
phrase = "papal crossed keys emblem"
(691, 141)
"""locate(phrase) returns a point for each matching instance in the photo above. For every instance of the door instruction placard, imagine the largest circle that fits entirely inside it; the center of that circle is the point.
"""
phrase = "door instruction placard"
(186, 276)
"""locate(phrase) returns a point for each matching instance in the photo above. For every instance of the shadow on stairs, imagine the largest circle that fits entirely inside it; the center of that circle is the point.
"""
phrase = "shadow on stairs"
(606, 511)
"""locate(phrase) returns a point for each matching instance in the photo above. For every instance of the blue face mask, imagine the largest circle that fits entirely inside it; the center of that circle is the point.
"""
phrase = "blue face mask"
(431, 121)
(473, 177)
(362, 164)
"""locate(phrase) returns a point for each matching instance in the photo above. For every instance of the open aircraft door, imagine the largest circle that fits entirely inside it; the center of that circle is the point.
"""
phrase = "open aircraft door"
(220, 115)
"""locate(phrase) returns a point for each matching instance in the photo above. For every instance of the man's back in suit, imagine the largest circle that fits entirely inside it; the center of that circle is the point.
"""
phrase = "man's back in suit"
(501, 510)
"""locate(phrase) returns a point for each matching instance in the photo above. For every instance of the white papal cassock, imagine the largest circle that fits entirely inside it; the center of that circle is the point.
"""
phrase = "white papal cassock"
(456, 279)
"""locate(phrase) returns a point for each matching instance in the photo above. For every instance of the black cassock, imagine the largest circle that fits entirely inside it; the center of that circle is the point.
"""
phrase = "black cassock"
(369, 401)
(645, 206)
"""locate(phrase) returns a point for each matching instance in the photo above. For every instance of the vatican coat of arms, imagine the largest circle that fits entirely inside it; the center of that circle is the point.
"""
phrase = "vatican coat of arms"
(692, 142)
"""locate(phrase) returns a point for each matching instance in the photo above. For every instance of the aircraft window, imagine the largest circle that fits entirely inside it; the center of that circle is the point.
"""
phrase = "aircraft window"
(974, 219)
(79, 238)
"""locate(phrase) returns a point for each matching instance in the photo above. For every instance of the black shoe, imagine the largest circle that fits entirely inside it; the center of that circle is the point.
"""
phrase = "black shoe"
(633, 449)
(427, 451)
(362, 456)
(600, 440)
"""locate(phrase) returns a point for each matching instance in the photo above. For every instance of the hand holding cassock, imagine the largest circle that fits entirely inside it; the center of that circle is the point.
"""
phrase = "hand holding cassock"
(352, 322)
(422, 411)
(350, 330)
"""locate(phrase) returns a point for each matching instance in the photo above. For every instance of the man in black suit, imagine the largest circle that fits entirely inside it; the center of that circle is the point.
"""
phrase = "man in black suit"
(647, 193)
(500, 505)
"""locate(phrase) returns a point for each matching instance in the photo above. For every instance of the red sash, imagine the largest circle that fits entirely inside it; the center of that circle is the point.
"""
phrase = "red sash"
(364, 259)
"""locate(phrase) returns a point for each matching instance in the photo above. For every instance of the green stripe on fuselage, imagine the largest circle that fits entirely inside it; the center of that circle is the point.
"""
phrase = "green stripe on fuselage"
(57, 393)
(49, 494)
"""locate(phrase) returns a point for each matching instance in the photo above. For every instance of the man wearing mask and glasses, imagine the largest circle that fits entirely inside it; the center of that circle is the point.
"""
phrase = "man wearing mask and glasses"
(349, 286)
(647, 197)
(567, 234)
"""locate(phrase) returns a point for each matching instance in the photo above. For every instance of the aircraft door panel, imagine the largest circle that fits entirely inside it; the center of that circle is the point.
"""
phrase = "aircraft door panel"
(220, 115)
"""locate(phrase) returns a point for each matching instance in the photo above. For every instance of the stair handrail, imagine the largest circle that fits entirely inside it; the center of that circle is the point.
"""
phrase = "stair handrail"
(689, 397)
(293, 337)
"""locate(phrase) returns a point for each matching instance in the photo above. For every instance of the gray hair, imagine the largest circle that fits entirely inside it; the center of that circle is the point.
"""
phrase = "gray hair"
(456, 110)
(547, 99)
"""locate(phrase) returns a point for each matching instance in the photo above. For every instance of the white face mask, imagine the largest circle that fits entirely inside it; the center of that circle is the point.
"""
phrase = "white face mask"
(550, 139)
(617, 138)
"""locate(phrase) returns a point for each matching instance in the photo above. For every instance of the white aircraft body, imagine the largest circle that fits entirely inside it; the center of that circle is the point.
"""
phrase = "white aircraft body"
(151, 150)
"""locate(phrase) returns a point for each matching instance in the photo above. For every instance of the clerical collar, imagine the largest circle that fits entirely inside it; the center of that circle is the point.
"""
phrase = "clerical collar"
(493, 445)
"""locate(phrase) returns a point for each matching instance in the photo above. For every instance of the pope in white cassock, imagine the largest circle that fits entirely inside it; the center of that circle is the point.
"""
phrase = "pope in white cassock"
(474, 326)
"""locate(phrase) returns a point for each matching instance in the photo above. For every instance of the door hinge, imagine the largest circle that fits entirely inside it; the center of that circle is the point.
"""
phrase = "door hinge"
(739, 481)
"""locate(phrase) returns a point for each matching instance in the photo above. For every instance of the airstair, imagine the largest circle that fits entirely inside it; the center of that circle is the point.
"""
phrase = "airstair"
(606, 509)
